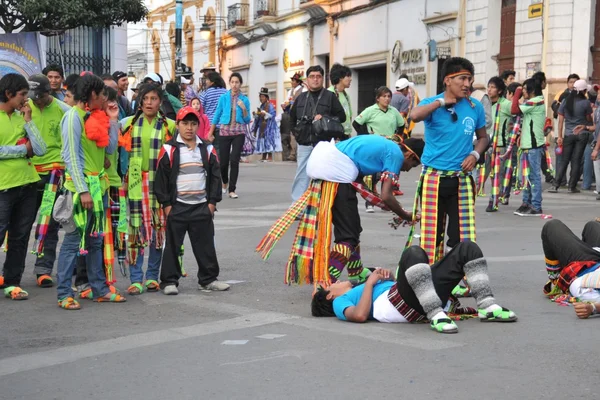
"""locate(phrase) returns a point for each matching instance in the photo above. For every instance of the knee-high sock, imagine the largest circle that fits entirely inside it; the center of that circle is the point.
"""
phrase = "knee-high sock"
(552, 268)
(479, 281)
(419, 279)
(338, 258)
(356, 271)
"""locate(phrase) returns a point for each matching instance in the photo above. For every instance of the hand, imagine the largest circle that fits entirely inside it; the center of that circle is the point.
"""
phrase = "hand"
(386, 274)
(469, 163)
(449, 99)
(416, 220)
(26, 111)
(29, 149)
(167, 211)
(86, 200)
(318, 117)
(107, 163)
(212, 209)
(577, 130)
(594, 155)
(112, 110)
(583, 310)
(559, 142)
(241, 104)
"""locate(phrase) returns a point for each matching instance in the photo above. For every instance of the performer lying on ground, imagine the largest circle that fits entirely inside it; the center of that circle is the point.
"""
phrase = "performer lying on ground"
(336, 171)
(419, 292)
(573, 265)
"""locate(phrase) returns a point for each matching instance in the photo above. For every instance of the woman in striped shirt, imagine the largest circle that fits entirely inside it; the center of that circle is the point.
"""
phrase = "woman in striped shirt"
(210, 99)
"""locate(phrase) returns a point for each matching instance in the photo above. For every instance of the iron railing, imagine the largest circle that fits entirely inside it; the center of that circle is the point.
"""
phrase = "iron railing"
(237, 15)
(263, 8)
(81, 49)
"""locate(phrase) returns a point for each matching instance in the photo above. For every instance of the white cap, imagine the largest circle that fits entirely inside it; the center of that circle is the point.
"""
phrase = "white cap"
(154, 77)
(185, 81)
(580, 85)
(403, 83)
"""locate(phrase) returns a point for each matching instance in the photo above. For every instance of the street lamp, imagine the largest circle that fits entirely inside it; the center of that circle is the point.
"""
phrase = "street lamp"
(205, 31)
(131, 78)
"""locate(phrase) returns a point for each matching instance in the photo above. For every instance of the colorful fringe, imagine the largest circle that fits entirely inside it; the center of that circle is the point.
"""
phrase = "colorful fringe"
(80, 214)
(45, 213)
(427, 196)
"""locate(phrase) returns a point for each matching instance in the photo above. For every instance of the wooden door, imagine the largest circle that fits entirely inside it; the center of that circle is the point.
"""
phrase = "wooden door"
(506, 57)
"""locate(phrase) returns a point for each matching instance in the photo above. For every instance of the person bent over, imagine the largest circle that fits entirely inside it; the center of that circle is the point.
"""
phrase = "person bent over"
(573, 264)
(419, 293)
(188, 187)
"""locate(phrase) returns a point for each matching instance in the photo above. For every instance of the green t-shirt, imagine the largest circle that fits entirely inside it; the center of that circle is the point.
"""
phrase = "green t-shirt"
(505, 115)
(17, 171)
(48, 123)
(147, 131)
(532, 124)
(113, 176)
(379, 122)
(345, 102)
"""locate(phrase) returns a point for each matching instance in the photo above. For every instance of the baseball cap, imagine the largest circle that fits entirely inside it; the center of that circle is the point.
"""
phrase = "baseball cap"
(185, 111)
(154, 77)
(403, 83)
(185, 81)
(38, 85)
(118, 75)
(580, 85)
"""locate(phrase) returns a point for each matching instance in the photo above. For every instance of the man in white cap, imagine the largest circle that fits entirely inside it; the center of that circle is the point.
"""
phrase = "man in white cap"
(400, 98)
(187, 89)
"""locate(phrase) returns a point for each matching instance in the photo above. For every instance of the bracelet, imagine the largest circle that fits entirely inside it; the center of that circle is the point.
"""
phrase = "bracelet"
(475, 154)
(594, 311)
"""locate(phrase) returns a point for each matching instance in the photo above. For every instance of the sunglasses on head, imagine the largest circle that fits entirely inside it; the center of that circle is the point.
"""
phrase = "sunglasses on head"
(453, 113)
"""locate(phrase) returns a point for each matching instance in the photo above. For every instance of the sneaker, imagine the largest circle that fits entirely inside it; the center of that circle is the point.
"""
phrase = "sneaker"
(214, 286)
(553, 189)
(491, 208)
(170, 290)
(232, 195)
(574, 190)
(522, 209)
(504, 201)
(398, 193)
(531, 212)
(370, 209)
(224, 191)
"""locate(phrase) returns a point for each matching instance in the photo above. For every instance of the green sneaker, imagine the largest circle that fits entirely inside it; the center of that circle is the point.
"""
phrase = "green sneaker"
(461, 291)
(498, 315)
(444, 325)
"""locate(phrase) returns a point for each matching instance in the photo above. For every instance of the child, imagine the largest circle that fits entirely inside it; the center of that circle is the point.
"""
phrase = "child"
(188, 187)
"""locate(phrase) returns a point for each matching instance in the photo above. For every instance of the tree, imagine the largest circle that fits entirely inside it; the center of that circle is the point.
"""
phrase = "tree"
(59, 15)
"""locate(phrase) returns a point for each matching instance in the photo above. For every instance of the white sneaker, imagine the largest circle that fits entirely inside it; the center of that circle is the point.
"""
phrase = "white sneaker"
(170, 290)
(370, 209)
(214, 286)
(224, 191)
(232, 195)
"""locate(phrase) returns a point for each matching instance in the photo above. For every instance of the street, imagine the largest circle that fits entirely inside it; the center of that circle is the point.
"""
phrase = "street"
(259, 341)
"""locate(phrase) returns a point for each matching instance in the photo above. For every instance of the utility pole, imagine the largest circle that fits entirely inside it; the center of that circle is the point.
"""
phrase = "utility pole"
(178, 38)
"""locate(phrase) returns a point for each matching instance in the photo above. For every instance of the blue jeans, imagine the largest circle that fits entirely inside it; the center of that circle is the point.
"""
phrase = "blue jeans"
(588, 168)
(532, 194)
(301, 180)
(136, 272)
(67, 259)
(17, 213)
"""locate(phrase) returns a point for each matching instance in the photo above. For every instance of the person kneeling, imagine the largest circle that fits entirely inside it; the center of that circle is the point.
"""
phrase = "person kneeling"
(188, 186)
(419, 292)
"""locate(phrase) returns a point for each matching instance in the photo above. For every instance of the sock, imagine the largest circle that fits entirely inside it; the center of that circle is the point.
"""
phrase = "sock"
(338, 258)
(439, 315)
(419, 279)
(356, 271)
(552, 268)
(479, 281)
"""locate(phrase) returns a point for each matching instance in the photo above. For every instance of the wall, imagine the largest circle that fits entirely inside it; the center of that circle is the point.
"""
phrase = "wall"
(118, 48)
(483, 38)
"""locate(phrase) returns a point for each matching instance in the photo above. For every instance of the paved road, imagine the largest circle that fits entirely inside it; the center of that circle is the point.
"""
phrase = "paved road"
(258, 341)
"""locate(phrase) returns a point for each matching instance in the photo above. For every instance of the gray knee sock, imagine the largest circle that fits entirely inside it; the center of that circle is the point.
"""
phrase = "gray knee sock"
(419, 279)
(479, 281)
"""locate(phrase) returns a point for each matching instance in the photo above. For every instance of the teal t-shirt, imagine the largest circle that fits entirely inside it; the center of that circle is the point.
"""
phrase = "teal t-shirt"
(352, 297)
(373, 154)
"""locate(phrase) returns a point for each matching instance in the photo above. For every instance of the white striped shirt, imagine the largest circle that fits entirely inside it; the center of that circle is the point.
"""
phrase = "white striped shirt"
(191, 181)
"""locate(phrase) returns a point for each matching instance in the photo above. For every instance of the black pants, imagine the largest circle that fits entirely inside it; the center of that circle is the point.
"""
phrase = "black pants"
(197, 221)
(346, 220)
(17, 213)
(561, 244)
(573, 148)
(230, 152)
(448, 205)
(446, 273)
(45, 264)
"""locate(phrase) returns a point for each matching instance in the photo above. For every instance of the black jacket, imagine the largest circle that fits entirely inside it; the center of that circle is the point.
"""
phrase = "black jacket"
(301, 114)
(167, 109)
(165, 181)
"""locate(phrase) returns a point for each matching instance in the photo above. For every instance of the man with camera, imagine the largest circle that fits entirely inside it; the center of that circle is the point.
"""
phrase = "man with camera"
(315, 116)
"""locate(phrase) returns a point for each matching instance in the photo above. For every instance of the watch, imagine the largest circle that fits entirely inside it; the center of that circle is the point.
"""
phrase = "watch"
(441, 101)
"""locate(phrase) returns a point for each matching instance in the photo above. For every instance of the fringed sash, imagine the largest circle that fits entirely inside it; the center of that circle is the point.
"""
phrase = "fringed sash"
(45, 213)
(80, 214)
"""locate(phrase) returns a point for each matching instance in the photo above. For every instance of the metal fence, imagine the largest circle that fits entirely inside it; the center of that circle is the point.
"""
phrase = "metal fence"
(81, 49)
(237, 15)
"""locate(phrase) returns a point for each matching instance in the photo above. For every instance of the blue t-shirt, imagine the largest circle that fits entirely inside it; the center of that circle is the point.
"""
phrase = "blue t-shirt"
(352, 297)
(373, 154)
(448, 143)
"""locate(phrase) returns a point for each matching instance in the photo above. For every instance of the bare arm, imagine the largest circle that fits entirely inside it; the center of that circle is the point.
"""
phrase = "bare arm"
(362, 311)
(387, 195)
(420, 113)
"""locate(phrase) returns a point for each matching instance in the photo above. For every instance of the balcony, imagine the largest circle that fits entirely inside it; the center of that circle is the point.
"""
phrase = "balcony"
(237, 16)
(265, 8)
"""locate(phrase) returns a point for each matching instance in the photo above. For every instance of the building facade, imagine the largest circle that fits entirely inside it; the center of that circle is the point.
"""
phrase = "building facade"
(267, 41)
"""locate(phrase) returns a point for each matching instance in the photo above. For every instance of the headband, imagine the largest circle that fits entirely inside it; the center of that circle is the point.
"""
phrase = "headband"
(410, 151)
(462, 72)
(400, 141)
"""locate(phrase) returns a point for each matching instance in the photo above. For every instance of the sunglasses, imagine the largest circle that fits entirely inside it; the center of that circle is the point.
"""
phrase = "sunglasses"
(453, 113)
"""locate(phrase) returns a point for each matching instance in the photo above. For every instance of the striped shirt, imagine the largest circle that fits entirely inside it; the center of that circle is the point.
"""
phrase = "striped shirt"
(191, 181)
(210, 99)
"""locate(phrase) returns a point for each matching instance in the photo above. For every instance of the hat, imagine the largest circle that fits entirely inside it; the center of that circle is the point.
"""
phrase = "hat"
(139, 85)
(580, 85)
(209, 65)
(264, 91)
(38, 85)
(84, 73)
(297, 77)
(185, 111)
(154, 77)
(118, 75)
(185, 81)
(403, 83)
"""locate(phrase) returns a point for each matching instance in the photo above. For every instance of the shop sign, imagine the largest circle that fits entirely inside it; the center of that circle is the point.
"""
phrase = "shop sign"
(416, 75)
(289, 64)
(415, 55)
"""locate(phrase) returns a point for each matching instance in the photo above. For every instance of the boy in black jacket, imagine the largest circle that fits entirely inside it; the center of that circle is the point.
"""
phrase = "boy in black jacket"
(188, 186)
